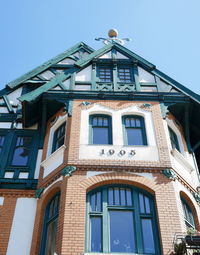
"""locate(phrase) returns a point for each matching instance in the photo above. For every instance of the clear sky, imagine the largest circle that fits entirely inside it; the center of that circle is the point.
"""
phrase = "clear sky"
(165, 32)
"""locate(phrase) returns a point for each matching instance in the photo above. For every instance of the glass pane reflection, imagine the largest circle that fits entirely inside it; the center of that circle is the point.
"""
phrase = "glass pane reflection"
(122, 231)
(148, 238)
(96, 234)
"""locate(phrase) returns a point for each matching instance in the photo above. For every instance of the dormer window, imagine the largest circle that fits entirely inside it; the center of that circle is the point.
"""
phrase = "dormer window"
(124, 75)
(59, 136)
(105, 74)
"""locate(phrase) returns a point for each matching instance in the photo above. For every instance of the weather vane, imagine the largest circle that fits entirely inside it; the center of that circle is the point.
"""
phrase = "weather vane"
(113, 33)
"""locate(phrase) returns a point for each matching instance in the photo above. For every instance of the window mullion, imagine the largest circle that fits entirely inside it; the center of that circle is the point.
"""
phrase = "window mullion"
(105, 227)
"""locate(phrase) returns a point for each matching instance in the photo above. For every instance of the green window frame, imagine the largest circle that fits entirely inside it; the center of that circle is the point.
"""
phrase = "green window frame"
(134, 130)
(188, 215)
(174, 139)
(18, 152)
(58, 137)
(105, 74)
(125, 75)
(100, 129)
(48, 244)
(122, 219)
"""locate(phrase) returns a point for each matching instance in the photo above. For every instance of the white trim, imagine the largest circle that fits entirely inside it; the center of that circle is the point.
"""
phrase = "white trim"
(182, 160)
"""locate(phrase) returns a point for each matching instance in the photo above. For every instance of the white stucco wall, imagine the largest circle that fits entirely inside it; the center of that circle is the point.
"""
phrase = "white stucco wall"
(22, 227)
(91, 151)
(84, 75)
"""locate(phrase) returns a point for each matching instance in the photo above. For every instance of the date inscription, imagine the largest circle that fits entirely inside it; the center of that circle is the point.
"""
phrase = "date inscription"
(120, 152)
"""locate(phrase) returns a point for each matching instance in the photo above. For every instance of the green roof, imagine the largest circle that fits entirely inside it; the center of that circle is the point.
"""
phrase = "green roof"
(49, 63)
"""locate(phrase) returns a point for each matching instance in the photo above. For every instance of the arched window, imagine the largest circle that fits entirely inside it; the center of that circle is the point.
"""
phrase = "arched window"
(188, 215)
(121, 219)
(100, 129)
(134, 130)
(48, 246)
(59, 137)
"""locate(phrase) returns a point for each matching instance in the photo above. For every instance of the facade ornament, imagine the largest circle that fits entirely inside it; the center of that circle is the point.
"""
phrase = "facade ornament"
(197, 197)
(113, 33)
(86, 103)
(68, 170)
(39, 192)
(169, 173)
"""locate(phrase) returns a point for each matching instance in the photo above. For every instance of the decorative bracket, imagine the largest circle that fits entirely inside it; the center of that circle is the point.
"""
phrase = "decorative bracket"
(39, 192)
(68, 170)
(197, 197)
(169, 173)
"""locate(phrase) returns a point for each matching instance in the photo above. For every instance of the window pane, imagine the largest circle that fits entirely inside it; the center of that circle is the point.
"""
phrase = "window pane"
(110, 196)
(92, 202)
(100, 135)
(134, 136)
(147, 205)
(116, 196)
(148, 238)
(123, 197)
(129, 197)
(21, 152)
(122, 237)
(51, 238)
(96, 234)
(98, 201)
(141, 200)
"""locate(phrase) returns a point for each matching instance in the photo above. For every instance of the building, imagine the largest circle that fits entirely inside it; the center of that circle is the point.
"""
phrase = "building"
(99, 152)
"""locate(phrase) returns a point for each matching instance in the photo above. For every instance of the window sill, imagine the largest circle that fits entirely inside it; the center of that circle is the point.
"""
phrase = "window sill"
(53, 161)
(179, 157)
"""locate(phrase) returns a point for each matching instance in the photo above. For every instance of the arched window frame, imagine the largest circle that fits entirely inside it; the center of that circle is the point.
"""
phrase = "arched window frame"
(48, 220)
(142, 128)
(188, 214)
(91, 126)
(138, 216)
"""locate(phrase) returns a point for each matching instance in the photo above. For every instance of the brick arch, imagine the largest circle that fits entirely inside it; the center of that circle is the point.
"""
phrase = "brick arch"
(192, 207)
(120, 178)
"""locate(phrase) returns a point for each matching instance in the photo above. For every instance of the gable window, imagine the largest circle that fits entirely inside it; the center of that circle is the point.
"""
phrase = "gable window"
(174, 139)
(134, 130)
(50, 226)
(188, 215)
(21, 151)
(124, 75)
(105, 74)
(59, 137)
(100, 129)
(121, 219)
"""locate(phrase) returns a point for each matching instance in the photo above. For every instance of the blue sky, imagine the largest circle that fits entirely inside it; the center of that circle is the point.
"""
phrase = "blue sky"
(165, 32)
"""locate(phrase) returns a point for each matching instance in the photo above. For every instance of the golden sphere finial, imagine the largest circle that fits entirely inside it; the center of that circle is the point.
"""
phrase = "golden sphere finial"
(112, 33)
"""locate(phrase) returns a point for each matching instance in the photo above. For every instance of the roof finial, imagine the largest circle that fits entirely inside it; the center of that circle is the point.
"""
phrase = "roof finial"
(113, 33)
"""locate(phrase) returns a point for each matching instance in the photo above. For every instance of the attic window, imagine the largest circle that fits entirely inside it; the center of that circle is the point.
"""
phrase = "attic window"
(124, 75)
(105, 74)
